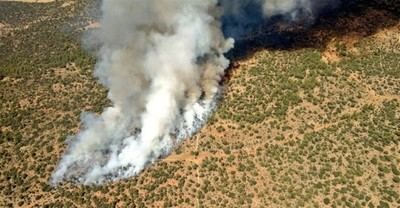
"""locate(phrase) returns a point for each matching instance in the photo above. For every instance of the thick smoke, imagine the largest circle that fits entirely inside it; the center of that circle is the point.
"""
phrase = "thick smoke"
(162, 61)
(241, 17)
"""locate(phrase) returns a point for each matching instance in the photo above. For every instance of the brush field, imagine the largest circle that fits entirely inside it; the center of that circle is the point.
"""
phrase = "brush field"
(315, 124)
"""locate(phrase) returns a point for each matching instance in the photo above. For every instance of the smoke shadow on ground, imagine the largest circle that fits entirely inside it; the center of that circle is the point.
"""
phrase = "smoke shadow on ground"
(358, 21)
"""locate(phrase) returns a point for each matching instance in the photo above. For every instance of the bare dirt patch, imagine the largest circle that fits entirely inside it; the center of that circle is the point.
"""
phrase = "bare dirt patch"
(4, 29)
(68, 3)
(92, 25)
(330, 55)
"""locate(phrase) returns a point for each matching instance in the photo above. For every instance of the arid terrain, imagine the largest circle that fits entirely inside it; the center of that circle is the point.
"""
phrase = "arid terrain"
(313, 124)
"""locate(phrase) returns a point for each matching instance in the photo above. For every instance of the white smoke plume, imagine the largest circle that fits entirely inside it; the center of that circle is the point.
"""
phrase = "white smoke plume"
(269, 8)
(162, 61)
(276, 7)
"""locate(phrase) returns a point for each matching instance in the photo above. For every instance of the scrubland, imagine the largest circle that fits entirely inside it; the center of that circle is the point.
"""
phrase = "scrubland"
(313, 124)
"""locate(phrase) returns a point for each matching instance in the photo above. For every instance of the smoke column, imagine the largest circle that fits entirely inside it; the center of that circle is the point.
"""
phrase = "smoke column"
(162, 61)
